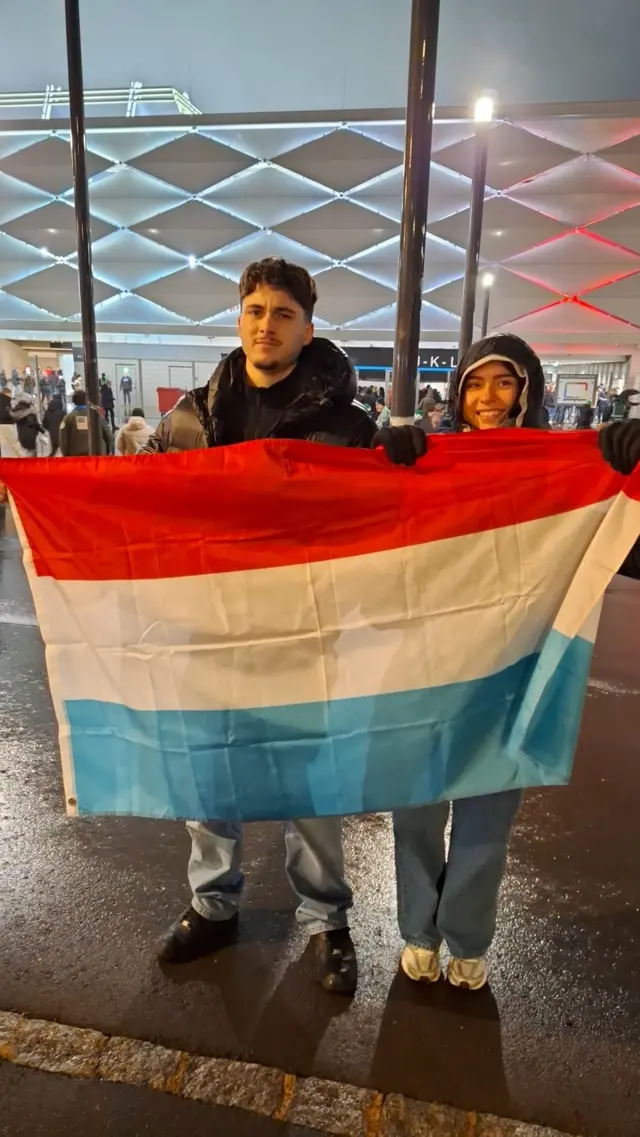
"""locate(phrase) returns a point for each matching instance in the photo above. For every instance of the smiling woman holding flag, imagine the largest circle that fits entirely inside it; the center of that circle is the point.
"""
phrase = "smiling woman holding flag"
(499, 382)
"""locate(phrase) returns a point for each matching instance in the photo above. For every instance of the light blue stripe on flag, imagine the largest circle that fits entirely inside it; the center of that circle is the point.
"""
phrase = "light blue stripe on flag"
(348, 756)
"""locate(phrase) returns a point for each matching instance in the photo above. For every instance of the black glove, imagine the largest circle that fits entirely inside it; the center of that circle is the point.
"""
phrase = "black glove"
(620, 445)
(401, 444)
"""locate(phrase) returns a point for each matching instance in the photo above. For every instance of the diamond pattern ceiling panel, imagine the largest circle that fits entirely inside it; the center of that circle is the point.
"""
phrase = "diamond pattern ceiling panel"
(443, 262)
(584, 133)
(622, 229)
(507, 228)
(621, 299)
(345, 295)
(194, 229)
(341, 160)
(265, 142)
(192, 163)
(178, 211)
(581, 192)
(574, 263)
(340, 229)
(120, 144)
(47, 165)
(12, 309)
(625, 154)
(569, 317)
(232, 261)
(18, 260)
(17, 198)
(511, 297)
(56, 290)
(266, 195)
(53, 228)
(125, 196)
(448, 193)
(11, 143)
(195, 293)
(126, 260)
(132, 309)
(514, 155)
(433, 321)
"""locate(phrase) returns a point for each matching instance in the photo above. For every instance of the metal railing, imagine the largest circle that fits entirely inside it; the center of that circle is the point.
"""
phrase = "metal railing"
(129, 98)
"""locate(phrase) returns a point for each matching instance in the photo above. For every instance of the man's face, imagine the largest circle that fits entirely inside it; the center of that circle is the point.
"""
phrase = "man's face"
(436, 416)
(273, 329)
(490, 393)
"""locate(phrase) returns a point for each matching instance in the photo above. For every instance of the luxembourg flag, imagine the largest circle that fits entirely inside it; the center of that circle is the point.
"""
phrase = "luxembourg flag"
(280, 629)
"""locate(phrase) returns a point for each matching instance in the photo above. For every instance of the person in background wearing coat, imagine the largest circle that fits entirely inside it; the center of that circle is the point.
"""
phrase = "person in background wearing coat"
(74, 430)
(135, 433)
(499, 383)
(52, 420)
(107, 402)
(25, 416)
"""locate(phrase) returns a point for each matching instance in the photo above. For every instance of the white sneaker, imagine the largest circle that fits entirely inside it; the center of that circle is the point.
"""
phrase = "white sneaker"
(421, 964)
(469, 973)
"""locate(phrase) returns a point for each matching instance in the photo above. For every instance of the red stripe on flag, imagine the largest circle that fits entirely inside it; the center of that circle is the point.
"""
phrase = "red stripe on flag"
(274, 503)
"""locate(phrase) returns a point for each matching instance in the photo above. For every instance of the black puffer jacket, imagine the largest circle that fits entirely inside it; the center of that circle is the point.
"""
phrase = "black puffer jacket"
(528, 411)
(321, 409)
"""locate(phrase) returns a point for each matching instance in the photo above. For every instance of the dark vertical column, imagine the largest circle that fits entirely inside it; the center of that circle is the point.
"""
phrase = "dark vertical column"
(83, 231)
(475, 236)
(423, 51)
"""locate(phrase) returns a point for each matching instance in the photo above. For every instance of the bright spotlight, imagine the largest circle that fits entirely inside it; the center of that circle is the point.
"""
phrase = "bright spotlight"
(484, 109)
(192, 261)
(487, 279)
(44, 250)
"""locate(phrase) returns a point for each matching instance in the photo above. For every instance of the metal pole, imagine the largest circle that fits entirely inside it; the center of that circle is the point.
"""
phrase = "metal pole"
(485, 311)
(478, 185)
(423, 51)
(83, 230)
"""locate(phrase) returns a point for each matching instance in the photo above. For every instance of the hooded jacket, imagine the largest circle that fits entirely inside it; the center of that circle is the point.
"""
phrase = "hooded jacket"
(133, 436)
(528, 411)
(25, 416)
(321, 408)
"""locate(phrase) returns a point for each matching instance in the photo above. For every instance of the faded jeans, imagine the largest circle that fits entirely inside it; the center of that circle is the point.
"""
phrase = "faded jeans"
(314, 865)
(454, 899)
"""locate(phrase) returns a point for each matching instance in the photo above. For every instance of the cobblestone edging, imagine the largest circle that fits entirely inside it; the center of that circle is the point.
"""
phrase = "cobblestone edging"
(330, 1107)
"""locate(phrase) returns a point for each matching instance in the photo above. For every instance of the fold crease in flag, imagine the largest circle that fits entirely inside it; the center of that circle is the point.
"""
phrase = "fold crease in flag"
(280, 629)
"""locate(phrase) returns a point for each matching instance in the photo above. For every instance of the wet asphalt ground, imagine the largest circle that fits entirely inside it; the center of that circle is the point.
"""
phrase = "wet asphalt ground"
(555, 1040)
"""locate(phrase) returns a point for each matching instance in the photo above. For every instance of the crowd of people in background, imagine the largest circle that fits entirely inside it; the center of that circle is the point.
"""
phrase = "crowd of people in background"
(55, 428)
(59, 427)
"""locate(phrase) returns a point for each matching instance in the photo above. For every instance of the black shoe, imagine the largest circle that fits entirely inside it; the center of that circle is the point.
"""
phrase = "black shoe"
(337, 963)
(192, 936)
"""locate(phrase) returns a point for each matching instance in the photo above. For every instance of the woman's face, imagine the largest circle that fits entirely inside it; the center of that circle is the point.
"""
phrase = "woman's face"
(436, 416)
(490, 393)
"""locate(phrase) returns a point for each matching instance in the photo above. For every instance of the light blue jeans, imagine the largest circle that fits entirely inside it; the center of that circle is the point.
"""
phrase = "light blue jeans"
(454, 899)
(314, 865)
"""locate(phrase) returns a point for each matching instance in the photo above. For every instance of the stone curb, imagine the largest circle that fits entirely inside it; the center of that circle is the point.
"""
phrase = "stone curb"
(330, 1107)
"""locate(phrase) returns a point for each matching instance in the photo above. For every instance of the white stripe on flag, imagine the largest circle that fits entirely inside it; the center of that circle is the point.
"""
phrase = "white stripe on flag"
(406, 619)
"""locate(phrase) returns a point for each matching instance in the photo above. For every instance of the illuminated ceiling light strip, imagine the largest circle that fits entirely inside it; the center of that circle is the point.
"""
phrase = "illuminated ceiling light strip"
(602, 312)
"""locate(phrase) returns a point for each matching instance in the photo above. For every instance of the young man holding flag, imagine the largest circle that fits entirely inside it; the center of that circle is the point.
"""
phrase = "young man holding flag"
(281, 383)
